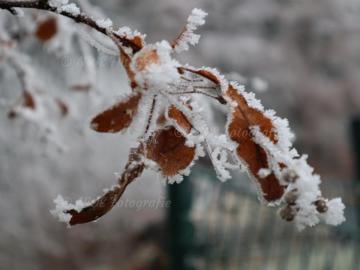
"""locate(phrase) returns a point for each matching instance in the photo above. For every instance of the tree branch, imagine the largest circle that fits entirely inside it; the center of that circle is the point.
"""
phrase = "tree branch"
(80, 18)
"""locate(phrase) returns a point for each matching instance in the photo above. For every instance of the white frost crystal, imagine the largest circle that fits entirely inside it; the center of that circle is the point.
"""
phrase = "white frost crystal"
(64, 6)
(335, 214)
(159, 72)
(196, 19)
(58, 3)
(105, 23)
(71, 8)
(61, 206)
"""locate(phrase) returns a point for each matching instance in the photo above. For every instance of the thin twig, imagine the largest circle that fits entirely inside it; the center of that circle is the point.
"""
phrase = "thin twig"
(151, 114)
(20, 73)
(79, 18)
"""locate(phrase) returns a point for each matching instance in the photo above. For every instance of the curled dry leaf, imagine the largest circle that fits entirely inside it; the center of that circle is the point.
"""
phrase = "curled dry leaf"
(209, 75)
(125, 58)
(47, 29)
(242, 118)
(167, 148)
(117, 117)
(203, 73)
(179, 118)
(97, 209)
(147, 58)
(105, 203)
(28, 100)
(126, 61)
(138, 41)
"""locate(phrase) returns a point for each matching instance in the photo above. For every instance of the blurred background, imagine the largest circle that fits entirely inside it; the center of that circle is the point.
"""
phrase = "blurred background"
(301, 57)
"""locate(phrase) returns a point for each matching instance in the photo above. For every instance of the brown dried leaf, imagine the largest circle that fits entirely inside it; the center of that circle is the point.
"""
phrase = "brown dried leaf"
(249, 116)
(209, 75)
(126, 61)
(147, 58)
(161, 121)
(243, 117)
(28, 100)
(47, 29)
(204, 73)
(167, 148)
(97, 209)
(138, 41)
(105, 203)
(180, 118)
(118, 116)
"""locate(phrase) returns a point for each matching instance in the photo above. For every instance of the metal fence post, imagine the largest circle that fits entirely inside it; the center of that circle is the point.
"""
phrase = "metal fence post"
(180, 227)
(356, 145)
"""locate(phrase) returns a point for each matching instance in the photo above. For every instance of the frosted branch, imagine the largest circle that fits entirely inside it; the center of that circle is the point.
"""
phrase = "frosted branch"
(72, 13)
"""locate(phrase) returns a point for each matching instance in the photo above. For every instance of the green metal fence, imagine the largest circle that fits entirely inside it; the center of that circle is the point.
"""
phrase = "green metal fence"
(217, 225)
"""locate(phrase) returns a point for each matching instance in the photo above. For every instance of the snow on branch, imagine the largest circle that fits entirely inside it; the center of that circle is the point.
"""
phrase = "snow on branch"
(71, 11)
(187, 36)
(64, 6)
(164, 113)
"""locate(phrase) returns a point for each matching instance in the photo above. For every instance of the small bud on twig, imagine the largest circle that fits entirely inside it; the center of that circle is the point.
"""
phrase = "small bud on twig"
(321, 206)
(289, 176)
(287, 213)
(291, 197)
